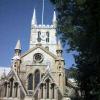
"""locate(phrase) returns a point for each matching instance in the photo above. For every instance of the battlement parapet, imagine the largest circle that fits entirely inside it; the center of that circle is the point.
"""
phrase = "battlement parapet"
(43, 26)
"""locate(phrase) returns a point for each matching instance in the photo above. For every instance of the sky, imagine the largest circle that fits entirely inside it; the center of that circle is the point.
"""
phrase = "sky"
(15, 23)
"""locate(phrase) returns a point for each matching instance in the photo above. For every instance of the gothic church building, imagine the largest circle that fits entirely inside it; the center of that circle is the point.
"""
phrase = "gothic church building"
(39, 73)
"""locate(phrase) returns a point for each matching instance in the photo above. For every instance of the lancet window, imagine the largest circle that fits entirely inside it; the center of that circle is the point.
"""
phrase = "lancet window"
(5, 87)
(16, 89)
(30, 82)
(11, 86)
(36, 78)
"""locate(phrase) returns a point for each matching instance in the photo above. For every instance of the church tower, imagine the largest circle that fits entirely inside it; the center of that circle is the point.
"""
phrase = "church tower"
(43, 34)
(52, 64)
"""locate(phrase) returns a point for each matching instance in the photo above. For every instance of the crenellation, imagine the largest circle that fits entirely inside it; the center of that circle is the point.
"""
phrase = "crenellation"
(43, 26)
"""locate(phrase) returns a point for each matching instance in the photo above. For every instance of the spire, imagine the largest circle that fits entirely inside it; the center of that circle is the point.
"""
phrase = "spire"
(59, 49)
(34, 21)
(17, 56)
(54, 21)
(18, 45)
(59, 46)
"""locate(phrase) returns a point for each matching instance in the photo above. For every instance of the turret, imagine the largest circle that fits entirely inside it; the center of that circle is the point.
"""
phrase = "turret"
(18, 48)
(60, 67)
(54, 21)
(34, 20)
(16, 59)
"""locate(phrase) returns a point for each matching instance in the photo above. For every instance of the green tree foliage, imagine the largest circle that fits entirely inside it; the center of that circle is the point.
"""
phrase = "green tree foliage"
(73, 73)
(79, 25)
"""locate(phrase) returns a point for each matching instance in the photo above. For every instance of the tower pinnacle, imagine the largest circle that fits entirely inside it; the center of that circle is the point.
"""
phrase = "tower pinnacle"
(18, 45)
(34, 21)
(54, 21)
(59, 46)
(59, 49)
(18, 48)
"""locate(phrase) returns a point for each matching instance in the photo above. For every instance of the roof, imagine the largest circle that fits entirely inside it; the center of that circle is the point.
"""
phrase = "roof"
(18, 45)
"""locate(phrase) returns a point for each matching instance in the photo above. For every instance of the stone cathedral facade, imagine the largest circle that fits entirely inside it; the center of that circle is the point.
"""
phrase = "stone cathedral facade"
(39, 73)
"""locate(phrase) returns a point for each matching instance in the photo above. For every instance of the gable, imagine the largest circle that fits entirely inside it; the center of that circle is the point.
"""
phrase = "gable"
(42, 48)
(28, 57)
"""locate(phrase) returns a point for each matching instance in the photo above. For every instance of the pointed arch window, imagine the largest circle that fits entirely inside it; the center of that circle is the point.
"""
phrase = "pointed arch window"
(36, 78)
(5, 86)
(11, 86)
(53, 90)
(47, 39)
(42, 90)
(47, 84)
(39, 38)
(16, 89)
(30, 82)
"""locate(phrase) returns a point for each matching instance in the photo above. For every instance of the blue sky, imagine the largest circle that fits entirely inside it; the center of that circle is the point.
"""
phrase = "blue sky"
(15, 23)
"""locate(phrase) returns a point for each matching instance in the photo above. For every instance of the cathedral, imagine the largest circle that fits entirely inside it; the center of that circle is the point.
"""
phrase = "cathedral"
(39, 73)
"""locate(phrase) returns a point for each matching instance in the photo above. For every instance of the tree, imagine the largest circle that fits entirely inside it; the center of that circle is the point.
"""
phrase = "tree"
(79, 25)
